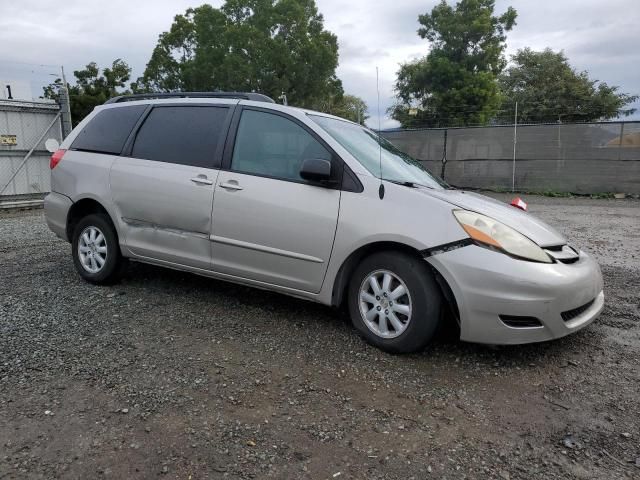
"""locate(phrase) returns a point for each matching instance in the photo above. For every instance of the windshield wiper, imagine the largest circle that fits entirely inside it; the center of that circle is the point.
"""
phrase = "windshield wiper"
(407, 184)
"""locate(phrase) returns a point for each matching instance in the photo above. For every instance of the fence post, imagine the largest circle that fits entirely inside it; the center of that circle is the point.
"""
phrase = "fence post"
(515, 140)
(444, 154)
(620, 142)
(65, 105)
(65, 110)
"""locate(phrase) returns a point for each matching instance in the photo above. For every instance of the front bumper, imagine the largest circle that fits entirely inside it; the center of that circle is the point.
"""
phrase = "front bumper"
(487, 284)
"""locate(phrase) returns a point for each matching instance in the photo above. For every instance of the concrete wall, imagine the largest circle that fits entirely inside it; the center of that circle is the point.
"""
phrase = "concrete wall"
(578, 158)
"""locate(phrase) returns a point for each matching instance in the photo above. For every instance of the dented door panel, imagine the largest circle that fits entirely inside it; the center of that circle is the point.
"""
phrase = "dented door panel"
(164, 211)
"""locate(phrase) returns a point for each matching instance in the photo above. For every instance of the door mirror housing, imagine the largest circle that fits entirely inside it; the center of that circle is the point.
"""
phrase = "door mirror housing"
(316, 170)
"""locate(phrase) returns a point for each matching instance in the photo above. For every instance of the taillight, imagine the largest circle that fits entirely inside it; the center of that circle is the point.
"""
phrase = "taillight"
(56, 157)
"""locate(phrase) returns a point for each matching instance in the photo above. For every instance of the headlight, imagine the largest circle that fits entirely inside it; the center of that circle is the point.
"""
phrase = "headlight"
(490, 232)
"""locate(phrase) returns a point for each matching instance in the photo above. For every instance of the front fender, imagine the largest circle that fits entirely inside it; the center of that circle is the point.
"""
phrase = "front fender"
(405, 216)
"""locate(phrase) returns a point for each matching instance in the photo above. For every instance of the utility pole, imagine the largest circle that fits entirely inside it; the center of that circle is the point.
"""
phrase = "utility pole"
(515, 141)
(65, 105)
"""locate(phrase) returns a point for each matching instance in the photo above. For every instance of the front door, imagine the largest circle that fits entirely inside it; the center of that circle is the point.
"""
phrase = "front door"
(269, 225)
(163, 190)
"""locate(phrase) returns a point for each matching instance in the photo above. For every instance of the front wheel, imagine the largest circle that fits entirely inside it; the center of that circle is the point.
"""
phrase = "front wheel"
(395, 302)
(95, 249)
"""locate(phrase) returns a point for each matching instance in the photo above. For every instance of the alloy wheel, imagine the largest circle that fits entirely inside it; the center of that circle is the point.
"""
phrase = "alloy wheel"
(92, 249)
(385, 304)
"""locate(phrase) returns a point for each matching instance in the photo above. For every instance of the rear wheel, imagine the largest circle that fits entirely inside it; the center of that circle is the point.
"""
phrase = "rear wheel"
(395, 302)
(95, 249)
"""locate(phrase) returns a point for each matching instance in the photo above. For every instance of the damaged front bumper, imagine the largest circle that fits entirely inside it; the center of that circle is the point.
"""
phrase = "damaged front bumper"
(502, 300)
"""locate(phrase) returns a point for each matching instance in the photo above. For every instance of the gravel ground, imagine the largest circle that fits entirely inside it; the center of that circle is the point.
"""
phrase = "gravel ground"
(176, 376)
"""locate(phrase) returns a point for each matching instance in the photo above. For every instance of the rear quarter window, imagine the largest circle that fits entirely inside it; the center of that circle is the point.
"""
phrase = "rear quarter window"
(108, 130)
(184, 135)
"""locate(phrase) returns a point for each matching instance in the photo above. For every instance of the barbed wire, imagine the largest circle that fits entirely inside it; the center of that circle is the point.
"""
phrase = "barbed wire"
(524, 102)
(450, 126)
(459, 115)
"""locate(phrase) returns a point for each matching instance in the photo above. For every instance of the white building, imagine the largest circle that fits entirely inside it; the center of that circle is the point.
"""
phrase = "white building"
(15, 90)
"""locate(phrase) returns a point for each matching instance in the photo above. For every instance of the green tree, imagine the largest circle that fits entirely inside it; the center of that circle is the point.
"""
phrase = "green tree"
(91, 88)
(455, 84)
(548, 89)
(52, 91)
(345, 106)
(269, 46)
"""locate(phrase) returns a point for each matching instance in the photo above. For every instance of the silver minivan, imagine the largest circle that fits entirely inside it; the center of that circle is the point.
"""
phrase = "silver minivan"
(235, 187)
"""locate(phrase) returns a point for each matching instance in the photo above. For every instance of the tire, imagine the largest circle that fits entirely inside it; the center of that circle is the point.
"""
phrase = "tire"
(101, 242)
(417, 324)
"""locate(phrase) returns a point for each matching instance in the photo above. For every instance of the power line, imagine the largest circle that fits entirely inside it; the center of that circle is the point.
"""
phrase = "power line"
(29, 64)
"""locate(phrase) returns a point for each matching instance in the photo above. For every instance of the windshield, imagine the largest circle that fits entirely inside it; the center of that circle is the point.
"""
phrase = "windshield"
(365, 146)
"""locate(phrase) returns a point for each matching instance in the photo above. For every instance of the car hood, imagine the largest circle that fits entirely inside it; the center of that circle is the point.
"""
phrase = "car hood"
(523, 222)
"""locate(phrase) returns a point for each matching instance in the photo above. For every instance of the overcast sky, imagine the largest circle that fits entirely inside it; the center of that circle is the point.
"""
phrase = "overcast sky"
(598, 36)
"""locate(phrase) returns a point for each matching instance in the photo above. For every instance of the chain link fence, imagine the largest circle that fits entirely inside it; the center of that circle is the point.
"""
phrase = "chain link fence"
(578, 158)
(24, 160)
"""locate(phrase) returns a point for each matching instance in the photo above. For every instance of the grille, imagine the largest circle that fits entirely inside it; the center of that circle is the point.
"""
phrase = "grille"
(571, 314)
(569, 260)
(520, 322)
(563, 253)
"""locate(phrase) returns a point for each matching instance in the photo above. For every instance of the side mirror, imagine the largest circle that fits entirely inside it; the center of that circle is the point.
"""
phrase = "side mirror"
(316, 170)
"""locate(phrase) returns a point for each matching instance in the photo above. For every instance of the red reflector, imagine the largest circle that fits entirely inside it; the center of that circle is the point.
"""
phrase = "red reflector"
(519, 203)
(56, 157)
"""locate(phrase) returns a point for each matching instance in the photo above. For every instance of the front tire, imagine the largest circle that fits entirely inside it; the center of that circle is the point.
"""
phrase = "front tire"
(95, 250)
(395, 302)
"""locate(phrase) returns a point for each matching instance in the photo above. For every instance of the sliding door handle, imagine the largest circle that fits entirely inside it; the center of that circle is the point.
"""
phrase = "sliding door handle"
(202, 180)
(230, 185)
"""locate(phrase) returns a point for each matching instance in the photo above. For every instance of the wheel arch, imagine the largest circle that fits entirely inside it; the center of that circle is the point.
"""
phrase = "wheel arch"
(342, 278)
(80, 209)
(451, 312)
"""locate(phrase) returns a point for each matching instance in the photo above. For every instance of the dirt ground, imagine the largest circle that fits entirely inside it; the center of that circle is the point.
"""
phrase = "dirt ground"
(172, 375)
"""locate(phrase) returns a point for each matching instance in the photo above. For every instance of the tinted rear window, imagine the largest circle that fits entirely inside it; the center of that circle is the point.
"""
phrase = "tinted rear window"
(183, 135)
(108, 130)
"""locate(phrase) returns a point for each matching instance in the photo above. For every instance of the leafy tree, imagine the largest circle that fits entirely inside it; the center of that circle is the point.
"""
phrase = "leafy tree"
(52, 91)
(549, 90)
(346, 106)
(269, 46)
(455, 83)
(91, 88)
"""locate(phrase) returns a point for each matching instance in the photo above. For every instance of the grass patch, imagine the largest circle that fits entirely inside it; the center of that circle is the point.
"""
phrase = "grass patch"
(550, 193)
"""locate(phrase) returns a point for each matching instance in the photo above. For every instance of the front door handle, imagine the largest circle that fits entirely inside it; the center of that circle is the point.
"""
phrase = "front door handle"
(231, 185)
(202, 180)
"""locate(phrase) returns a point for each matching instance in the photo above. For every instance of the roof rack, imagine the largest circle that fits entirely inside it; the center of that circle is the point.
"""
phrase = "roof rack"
(257, 97)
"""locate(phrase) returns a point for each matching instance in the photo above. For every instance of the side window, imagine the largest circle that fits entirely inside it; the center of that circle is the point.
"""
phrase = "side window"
(108, 130)
(271, 145)
(182, 135)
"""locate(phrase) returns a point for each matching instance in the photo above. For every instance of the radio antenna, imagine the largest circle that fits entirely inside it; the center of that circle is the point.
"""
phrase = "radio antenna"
(381, 188)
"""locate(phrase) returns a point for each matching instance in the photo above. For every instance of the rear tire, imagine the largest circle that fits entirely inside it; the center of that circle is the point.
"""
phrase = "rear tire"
(395, 302)
(96, 251)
